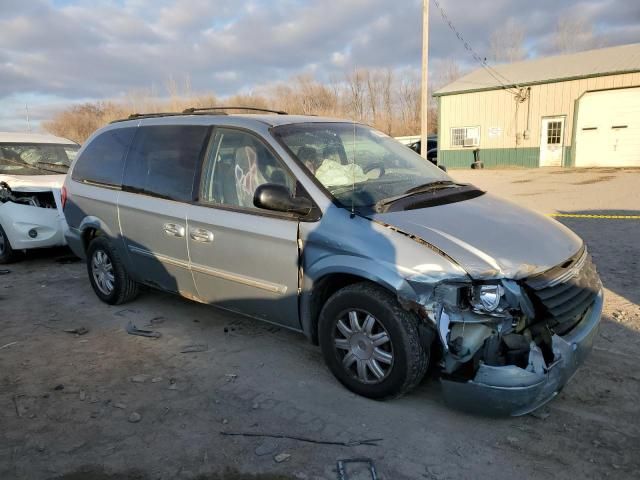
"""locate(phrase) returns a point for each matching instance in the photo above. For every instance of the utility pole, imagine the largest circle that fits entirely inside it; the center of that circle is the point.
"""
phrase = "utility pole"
(26, 107)
(424, 117)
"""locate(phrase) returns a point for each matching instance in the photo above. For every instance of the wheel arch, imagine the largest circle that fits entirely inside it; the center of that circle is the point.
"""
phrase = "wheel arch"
(91, 227)
(331, 274)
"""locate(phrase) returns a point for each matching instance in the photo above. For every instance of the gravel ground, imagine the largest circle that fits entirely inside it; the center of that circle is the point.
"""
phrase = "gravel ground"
(107, 405)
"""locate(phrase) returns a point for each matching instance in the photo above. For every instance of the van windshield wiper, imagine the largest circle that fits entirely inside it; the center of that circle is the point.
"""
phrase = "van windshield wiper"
(427, 187)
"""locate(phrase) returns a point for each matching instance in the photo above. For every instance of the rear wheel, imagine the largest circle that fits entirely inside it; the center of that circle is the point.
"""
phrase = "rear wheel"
(7, 254)
(107, 274)
(370, 343)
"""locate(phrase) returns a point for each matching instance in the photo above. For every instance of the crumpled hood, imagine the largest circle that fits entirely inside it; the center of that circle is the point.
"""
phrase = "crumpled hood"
(489, 237)
(33, 183)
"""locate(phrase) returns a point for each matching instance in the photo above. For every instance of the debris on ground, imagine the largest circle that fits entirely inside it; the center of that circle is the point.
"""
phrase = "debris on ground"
(135, 417)
(282, 457)
(16, 406)
(194, 348)
(133, 330)
(373, 442)
(121, 406)
(267, 447)
(156, 379)
(342, 467)
(156, 320)
(140, 378)
(231, 377)
(4, 271)
(8, 345)
(59, 387)
(77, 331)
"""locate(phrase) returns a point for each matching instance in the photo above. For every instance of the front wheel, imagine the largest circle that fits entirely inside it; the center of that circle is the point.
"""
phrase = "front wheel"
(107, 274)
(370, 343)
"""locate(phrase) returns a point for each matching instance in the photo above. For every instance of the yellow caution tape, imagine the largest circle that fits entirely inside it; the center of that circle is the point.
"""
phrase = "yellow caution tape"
(577, 215)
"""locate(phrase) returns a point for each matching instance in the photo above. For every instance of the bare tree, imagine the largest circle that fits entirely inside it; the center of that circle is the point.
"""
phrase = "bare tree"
(356, 93)
(573, 34)
(387, 99)
(507, 43)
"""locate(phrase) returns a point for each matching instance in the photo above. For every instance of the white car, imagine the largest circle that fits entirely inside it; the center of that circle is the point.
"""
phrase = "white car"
(32, 171)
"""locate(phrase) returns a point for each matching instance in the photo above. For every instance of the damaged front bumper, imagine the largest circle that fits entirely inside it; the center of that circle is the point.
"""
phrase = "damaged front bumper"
(510, 390)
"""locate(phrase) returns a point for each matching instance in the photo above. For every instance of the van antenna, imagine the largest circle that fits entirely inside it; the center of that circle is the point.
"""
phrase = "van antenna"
(353, 172)
(26, 107)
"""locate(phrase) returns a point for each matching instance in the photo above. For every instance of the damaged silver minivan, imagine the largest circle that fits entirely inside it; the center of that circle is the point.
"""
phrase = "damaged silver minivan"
(334, 229)
(32, 169)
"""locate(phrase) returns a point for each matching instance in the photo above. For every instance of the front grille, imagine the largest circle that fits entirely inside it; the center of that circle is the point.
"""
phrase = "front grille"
(563, 294)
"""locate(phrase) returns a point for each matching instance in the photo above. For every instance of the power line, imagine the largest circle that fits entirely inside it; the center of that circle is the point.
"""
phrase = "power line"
(482, 61)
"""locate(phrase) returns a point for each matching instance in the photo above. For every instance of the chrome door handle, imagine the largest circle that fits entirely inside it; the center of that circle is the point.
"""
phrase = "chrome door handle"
(173, 230)
(201, 235)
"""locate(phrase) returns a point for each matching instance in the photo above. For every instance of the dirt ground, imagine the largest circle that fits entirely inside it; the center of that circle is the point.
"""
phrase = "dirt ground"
(108, 405)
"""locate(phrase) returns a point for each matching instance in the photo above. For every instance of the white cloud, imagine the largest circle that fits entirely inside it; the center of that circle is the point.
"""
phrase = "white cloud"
(103, 48)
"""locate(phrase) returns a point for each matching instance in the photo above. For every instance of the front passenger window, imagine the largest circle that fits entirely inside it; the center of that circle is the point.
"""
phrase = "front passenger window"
(237, 164)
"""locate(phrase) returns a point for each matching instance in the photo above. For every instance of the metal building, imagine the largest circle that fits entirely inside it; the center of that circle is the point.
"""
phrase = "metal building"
(579, 110)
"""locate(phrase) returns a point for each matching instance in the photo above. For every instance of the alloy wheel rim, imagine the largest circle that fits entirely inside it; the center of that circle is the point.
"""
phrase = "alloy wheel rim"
(363, 346)
(102, 271)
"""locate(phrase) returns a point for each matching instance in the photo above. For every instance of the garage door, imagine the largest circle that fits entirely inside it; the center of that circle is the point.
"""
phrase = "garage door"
(608, 129)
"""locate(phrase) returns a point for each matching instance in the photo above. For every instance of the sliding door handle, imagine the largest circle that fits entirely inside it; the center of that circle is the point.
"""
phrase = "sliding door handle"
(173, 230)
(201, 235)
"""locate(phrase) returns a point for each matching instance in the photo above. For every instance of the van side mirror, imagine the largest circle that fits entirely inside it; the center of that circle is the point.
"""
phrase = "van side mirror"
(272, 196)
(442, 167)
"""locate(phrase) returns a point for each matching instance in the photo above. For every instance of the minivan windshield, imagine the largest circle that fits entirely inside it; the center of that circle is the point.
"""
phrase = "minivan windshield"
(359, 165)
(36, 158)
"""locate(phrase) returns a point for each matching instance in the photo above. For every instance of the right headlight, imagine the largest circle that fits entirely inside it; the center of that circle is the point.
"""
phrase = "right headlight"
(486, 297)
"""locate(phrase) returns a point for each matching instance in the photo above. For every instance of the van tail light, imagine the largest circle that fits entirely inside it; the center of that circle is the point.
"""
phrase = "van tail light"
(63, 196)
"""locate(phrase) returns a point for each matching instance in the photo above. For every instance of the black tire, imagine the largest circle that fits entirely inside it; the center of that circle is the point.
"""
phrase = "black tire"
(7, 254)
(124, 288)
(410, 359)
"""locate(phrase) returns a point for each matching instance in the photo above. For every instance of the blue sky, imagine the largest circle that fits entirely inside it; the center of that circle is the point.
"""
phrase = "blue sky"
(57, 52)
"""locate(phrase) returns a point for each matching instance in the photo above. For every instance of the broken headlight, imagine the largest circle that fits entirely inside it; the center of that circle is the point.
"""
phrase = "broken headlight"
(487, 297)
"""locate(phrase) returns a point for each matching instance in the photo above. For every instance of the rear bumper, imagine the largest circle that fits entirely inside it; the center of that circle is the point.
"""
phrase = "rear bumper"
(74, 240)
(510, 390)
(48, 225)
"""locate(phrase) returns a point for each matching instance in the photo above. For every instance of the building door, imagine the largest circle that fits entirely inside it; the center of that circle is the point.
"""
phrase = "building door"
(608, 129)
(551, 141)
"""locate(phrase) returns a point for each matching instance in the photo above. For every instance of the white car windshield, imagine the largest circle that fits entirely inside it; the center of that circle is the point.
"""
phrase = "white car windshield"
(358, 165)
(36, 158)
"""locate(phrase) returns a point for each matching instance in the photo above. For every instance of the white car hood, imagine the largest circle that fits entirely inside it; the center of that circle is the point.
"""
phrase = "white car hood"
(33, 183)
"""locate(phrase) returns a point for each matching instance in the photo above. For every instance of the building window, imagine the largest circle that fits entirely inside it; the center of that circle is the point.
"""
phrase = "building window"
(554, 131)
(465, 136)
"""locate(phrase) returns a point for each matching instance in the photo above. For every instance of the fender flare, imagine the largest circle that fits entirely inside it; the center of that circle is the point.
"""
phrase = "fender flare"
(366, 268)
(97, 224)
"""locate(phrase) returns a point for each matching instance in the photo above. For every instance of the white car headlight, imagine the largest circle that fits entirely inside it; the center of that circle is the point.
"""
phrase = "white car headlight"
(487, 297)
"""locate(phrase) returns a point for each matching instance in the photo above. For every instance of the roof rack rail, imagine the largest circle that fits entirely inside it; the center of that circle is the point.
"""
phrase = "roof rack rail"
(253, 109)
(135, 116)
(196, 111)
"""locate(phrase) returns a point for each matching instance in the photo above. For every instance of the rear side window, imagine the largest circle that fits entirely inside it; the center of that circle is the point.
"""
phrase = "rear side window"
(102, 161)
(164, 159)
